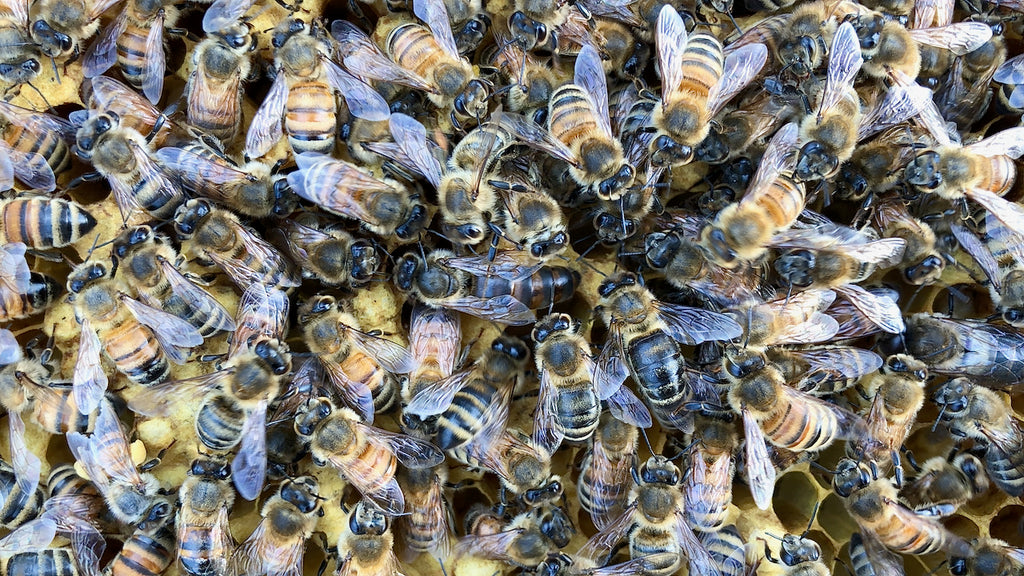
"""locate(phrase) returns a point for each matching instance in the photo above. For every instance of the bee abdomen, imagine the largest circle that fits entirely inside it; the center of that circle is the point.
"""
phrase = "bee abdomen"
(145, 555)
(311, 117)
(136, 353)
(18, 507)
(578, 412)
(702, 64)
(461, 421)
(48, 562)
(1006, 470)
(219, 424)
(571, 114)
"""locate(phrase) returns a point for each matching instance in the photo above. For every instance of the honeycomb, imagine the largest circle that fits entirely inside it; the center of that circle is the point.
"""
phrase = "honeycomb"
(798, 491)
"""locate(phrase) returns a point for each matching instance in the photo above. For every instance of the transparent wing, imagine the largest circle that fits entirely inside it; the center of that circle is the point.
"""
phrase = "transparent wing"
(597, 548)
(435, 397)
(197, 298)
(883, 561)
(981, 254)
(589, 75)
(535, 136)
(18, 11)
(356, 394)
(110, 447)
(1011, 71)
(6, 172)
(411, 137)
(151, 172)
(699, 559)
(249, 468)
(14, 270)
(10, 350)
(933, 13)
(30, 168)
(760, 471)
(32, 536)
(27, 465)
(325, 182)
(741, 67)
(89, 382)
(1010, 240)
(363, 101)
(160, 400)
(38, 121)
(609, 370)
(249, 559)
(102, 54)
(899, 105)
(1009, 213)
(266, 127)
(844, 61)
(155, 61)
(882, 311)
(435, 14)
(504, 309)
(670, 37)
(198, 172)
(175, 335)
(547, 432)
(1009, 142)
(836, 363)
(392, 356)
(648, 564)
(224, 13)
(364, 59)
(959, 38)
(777, 157)
(705, 489)
(695, 325)
(411, 452)
(262, 311)
(436, 332)
(261, 253)
(508, 264)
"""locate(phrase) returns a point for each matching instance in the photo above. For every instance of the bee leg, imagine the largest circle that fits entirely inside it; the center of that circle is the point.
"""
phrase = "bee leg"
(911, 460)
(153, 462)
(768, 553)
(897, 468)
(87, 177)
(938, 510)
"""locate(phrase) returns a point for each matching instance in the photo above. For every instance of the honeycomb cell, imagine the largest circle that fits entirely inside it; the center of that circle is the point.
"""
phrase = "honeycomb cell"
(828, 546)
(987, 503)
(833, 518)
(1007, 526)
(961, 526)
(794, 500)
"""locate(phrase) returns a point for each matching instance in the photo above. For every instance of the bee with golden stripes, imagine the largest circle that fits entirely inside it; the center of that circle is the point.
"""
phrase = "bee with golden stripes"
(302, 99)
(44, 223)
(149, 551)
(366, 457)
(427, 528)
(367, 547)
(215, 236)
(146, 261)
(135, 42)
(603, 485)
(22, 292)
(81, 498)
(435, 335)
(277, 544)
(203, 536)
(233, 410)
(361, 56)
(942, 484)
(19, 56)
(507, 297)
(103, 94)
(729, 551)
(774, 412)
(431, 54)
(122, 155)
(332, 255)
(382, 206)
(19, 480)
(107, 460)
(252, 189)
(138, 338)
(27, 136)
(361, 366)
(213, 95)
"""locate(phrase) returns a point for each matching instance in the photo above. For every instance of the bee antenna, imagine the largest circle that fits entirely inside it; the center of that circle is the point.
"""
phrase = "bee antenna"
(43, 96)
(56, 74)
(823, 469)
(939, 417)
(441, 564)
(647, 440)
(811, 521)
(773, 536)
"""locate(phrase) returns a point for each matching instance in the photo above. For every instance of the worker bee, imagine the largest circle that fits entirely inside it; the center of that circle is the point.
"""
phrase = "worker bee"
(367, 547)
(742, 231)
(784, 416)
(922, 263)
(430, 52)
(107, 460)
(569, 405)
(382, 206)
(149, 551)
(122, 155)
(214, 235)
(44, 223)
(823, 370)
(276, 546)
(366, 457)
(965, 96)
(145, 261)
(988, 556)
(707, 487)
(800, 555)
(220, 63)
(332, 256)
(603, 485)
(19, 480)
(428, 525)
(987, 353)
(361, 57)
(22, 292)
(135, 42)
(798, 40)
(206, 497)
(944, 483)
(28, 136)
(302, 99)
(521, 542)
(1005, 277)
(565, 565)
(975, 412)
(61, 27)
(645, 338)
(361, 366)
(531, 82)
(133, 111)
(138, 338)
(505, 297)
(874, 504)
(523, 468)
(729, 551)
(796, 319)
(19, 55)
(889, 46)
(252, 189)
(434, 338)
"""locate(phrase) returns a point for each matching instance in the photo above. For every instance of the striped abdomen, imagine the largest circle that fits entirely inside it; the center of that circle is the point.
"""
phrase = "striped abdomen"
(461, 421)
(18, 506)
(311, 117)
(798, 424)
(47, 144)
(383, 386)
(44, 223)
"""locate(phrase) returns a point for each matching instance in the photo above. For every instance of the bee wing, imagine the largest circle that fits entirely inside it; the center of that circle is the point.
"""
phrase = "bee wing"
(981, 254)
(14, 270)
(266, 128)
(324, 181)
(175, 335)
(741, 67)
(535, 136)
(102, 54)
(435, 14)
(1009, 142)
(198, 172)
(364, 59)
(777, 157)
(223, 13)
(882, 311)
(17, 10)
(151, 172)
(1013, 241)
(243, 274)
(113, 456)
(32, 536)
(613, 479)
(844, 61)
(411, 452)
(158, 401)
(10, 350)
(695, 325)
(436, 332)
(836, 363)
(670, 37)
(219, 533)
(589, 75)
(491, 546)
(547, 432)
(960, 38)
(508, 264)
(1011, 71)
(155, 61)
(503, 309)
(932, 13)
(1009, 213)
(626, 407)
(30, 168)
(636, 567)
(392, 356)
(6, 172)
(597, 548)
(930, 117)
(262, 310)
(197, 298)
(249, 468)
(363, 101)
(760, 471)
(883, 561)
(705, 488)
(411, 137)
(388, 496)
(899, 105)
(248, 558)
(435, 397)
(27, 465)
(609, 371)
(38, 121)
(89, 382)
(355, 393)
(300, 236)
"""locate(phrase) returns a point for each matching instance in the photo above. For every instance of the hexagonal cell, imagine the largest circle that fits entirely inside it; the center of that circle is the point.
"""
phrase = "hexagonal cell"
(1008, 526)
(961, 526)
(835, 520)
(924, 443)
(794, 500)
(828, 547)
(987, 503)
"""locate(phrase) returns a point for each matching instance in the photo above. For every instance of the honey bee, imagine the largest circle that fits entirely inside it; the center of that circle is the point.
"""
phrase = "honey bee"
(360, 365)
(262, 312)
(364, 59)
(741, 232)
(146, 261)
(707, 488)
(220, 63)
(22, 292)
(105, 457)
(276, 546)
(988, 557)
(302, 99)
(132, 110)
(428, 525)
(44, 223)
(728, 550)
(508, 299)
(987, 353)
(874, 504)
(975, 412)
(61, 27)
(1011, 75)
(964, 97)
(521, 542)
(783, 416)
(332, 256)
(922, 263)
(214, 235)
(531, 83)
(122, 155)
(796, 319)
(27, 136)
(800, 555)
(565, 565)
(150, 549)
(138, 338)
(603, 484)
(19, 56)
(434, 338)
(382, 206)
(942, 484)
(366, 457)
(894, 47)
(135, 42)
(430, 53)
(366, 548)
(19, 480)
(253, 189)
(204, 539)
(1001, 259)
(823, 370)
(644, 340)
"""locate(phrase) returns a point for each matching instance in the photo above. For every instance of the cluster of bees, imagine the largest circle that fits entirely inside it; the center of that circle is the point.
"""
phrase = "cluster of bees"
(535, 282)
